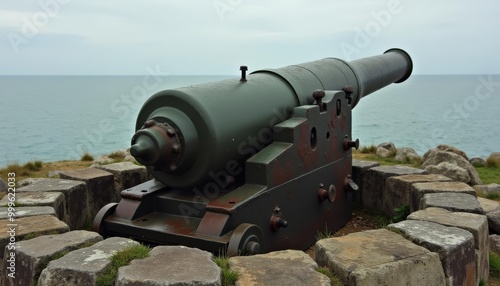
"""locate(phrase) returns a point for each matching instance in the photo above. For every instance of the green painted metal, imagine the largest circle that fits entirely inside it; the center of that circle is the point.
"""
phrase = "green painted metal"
(251, 165)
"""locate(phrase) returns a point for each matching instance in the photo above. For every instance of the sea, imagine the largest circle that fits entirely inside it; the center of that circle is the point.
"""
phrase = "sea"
(53, 118)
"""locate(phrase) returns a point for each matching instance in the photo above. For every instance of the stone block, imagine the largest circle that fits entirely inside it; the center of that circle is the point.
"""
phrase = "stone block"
(287, 267)
(454, 202)
(100, 187)
(420, 189)
(126, 174)
(75, 196)
(34, 225)
(27, 211)
(488, 205)
(494, 221)
(474, 223)
(379, 257)
(186, 266)
(397, 191)
(53, 200)
(495, 243)
(83, 266)
(374, 183)
(455, 247)
(359, 168)
(32, 256)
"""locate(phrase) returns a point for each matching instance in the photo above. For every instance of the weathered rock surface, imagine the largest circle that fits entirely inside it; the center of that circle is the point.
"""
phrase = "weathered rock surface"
(492, 188)
(477, 161)
(388, 146)
(3, 186)
(100, 187)
(54, 200)
(449, 170)
(406, 154)
(383, 153)
(495, 243)
(453, 202)
(374, 183)
(75, 197)
(455, 247)
(488, 205)
(287, 267)
(27, 211)
(474, 223)
(83, 266)
(494, 221)
(435, 157)
(33, 255)
(126, 175)
(379, 257)
(397, 191)
(181, 266)
(420, 189)
(495, 156)
(359, 168)
(448, 148)
(35, 225)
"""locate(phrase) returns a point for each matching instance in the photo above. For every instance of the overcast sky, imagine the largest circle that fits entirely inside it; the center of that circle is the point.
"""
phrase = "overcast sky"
(112, 37)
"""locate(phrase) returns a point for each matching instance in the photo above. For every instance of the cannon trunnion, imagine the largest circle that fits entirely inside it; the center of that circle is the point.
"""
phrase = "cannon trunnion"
(252, 165)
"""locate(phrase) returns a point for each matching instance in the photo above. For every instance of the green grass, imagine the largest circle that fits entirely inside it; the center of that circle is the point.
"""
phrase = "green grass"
(119, 259)
(372, 149)
(328, 273)
(23, 170)
(323, 234)
(229, 276)
(87, 157)
(401, 213)
(492, 163)
(494, 265)
(489, 175)
(32, 235)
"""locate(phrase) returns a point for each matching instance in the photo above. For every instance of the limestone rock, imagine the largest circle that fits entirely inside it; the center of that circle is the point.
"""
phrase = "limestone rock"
(101, 160)
(53, 200)
(171, 265)
(75, 197)
(474, 223)
(449, 170)
(82, 266)
(495, 156)
(33, 255)
(406, 154)
(420, 189)
(436, 157)
(448, 148)
(492, 188)
(397, 191)
(126, 175)
(456, 202)
(34, 225)
(54, 174)
(388, 146)
(374, 183)
(494, 221)
(373, 256)
(287, 267)
(27, 211)
(495, 243)
(477, 161)
(488, 205)
(3, 186)
(384, 153)
(359, 168)
(455, 247)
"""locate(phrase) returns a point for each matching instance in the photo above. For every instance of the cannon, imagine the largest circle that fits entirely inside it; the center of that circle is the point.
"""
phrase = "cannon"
(250, 165)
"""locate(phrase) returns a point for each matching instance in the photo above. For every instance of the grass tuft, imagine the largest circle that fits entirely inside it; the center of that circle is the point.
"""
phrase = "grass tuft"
(494, 264)
(116, 156)
(229, 276)
(372, 149)
(323, 234)
(119, 259)
(401, 213)
(87, 157)
(328, 273)
(492, 162)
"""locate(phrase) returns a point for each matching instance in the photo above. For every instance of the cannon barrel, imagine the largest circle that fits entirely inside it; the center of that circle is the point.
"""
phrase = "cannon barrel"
(187, 135)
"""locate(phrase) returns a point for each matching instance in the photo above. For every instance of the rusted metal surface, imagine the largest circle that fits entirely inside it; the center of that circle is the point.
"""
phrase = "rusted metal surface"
(250, 166)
